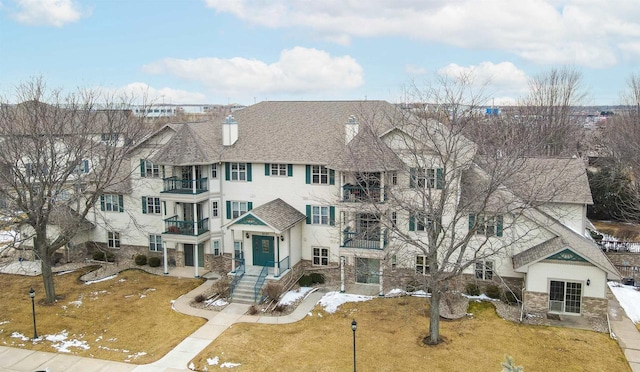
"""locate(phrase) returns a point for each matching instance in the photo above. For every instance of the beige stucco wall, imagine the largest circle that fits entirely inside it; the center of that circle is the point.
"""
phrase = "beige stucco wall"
(540, 274)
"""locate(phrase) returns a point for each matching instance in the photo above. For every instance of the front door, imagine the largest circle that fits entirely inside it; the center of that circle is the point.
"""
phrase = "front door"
(189, 257)
(262, 250)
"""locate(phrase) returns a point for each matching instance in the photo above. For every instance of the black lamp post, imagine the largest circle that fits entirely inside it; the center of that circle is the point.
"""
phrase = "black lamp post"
(354, 326)
(32, 294)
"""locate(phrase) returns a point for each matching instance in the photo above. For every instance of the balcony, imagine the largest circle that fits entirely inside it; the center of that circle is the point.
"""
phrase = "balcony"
(364, 240)
(362, 194)
(174, 226)
(174, 185)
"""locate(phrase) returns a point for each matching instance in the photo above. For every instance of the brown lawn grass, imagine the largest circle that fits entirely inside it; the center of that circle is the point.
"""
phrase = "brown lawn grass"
(621, 230)
(389, 338)
(117, 318)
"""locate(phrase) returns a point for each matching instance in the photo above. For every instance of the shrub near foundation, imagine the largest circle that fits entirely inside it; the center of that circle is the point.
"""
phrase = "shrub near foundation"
(154, 261)
(141, 260)
(493, 291)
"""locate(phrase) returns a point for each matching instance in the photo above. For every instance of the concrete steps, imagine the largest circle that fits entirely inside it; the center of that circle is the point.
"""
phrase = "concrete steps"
(244, 291)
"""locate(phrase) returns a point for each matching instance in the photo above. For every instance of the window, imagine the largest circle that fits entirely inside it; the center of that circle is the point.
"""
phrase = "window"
(151, 205)
(110, 137)
(36, 169)
(3, 202)
(484, 270)
(319, 215)
(148, 169)
(214, 208)
(394, 262)
(81, 167)
(237, 249)
(113, 239)
(420, 222)
(321, 256)
(155, 243)
(426, 177)
(422, 265)
(319, 174)
(487, 225)
(215, 246)
(278, 169)
(394, 178)
(214, 170)
(238, 171)
(238, 209)
(394, 219)
(111, 203)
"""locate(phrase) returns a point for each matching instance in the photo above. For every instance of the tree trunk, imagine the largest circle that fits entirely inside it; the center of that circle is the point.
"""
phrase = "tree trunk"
(41, 249)
(434, 321)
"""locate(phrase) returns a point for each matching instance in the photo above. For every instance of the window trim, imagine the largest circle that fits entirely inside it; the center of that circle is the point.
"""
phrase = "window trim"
(151, 205)
(489, 225)
(215, 250)
(238, 174)
(214, 170)
(215, 209)
(113, 239)
(148, 169)
(107, 203)
(322, 256)
(155, 240)
(424, 265)
(484, 270)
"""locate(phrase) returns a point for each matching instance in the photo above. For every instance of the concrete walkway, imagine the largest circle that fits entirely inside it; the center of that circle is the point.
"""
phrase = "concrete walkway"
(626, 333)
(14, 359)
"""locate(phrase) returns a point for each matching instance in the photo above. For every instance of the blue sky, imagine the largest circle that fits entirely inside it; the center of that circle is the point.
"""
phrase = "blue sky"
(215, 51)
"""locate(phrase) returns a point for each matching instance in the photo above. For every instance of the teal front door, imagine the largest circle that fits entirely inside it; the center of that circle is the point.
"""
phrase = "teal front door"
(189, 257)
(262, 250)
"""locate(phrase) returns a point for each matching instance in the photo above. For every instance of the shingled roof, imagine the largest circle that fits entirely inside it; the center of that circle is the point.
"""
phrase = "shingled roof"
(194, 143)
(277, 214)
(301, 132)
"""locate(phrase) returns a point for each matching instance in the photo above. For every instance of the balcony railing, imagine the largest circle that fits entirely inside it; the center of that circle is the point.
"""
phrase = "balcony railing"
(364, 240)
(175, 226)
(174, 185)
(360, 194)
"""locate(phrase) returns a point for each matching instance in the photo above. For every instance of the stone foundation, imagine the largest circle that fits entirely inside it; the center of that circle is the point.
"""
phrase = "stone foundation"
(538, 302)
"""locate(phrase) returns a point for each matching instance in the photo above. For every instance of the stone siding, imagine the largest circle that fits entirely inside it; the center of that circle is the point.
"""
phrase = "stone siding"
(594, 307)
(536, 302)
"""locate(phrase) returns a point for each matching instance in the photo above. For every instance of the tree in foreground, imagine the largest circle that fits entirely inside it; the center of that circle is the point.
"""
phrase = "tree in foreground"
(454, 188)
(60, 152)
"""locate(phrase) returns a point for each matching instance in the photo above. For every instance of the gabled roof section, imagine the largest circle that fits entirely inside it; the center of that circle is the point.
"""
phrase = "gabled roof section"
(194, 143)
(566, 238)
(301, 132)
(172, 127)
(366, 152)
(277, 214)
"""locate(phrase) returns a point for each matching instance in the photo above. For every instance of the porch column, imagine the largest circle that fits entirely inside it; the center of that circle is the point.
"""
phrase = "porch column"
(193, 179)
(342, 179)
(383, 175)
(233, 255)
(164, 257)
(342, 259)
(276, 265)
(380, 279)
(195, 232)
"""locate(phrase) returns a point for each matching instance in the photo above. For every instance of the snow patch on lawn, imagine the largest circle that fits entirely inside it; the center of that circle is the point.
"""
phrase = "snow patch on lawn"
(629, 298)
(102, 280)
(213, 361)
(293, 296)
(229, 365)
(332, 300)
(135, 356)
(218, 302)
(20, 336)
(62, 344)
(481, 297)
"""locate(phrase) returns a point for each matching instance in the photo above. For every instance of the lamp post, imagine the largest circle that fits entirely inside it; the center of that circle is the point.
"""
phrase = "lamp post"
(354, 326)
(32, 294)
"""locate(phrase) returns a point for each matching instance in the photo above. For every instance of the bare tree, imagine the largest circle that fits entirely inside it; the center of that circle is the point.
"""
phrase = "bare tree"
(621, 143)
(444, 200)
(60, 152)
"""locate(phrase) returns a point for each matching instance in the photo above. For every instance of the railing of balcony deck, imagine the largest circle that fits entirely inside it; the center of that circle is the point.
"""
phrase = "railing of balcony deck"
(365, 240)
(175, 226)
(175, 185)
(360, 194)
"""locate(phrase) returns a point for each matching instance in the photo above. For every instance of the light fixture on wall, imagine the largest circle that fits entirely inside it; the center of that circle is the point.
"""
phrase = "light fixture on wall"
(281, 238)
(247, 235)
(588, 281)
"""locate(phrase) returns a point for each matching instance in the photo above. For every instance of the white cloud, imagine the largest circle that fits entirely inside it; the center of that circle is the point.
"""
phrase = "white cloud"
(503, 78)
(543, 31)
(47, 12)
(143, 93)
(414, 70)
(297, 71)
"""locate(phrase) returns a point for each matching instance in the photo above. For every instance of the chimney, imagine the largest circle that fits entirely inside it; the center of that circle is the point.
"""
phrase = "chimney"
(229, 131)
(350, 128)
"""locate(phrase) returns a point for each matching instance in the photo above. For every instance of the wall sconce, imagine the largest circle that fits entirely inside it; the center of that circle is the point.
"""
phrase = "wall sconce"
(248, 236)
(588, 281)
(281, 238)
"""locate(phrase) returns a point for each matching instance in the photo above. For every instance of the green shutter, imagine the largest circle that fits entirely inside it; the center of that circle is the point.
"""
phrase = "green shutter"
(85, 163)
(472, 221)
(332, 215)
(228, 209)
(102, 202)
(163, 173)
(249, 206)
(144, 204)
(308, 174)
(141, 167)
(412, 177)
(248, 172)
(499, 225)
(290, 170)
(332, 177)
(227, 171)
(308, 213)
(412, 223)
(439, 178)
(164, 208)
(121, 202)
(266, 169)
